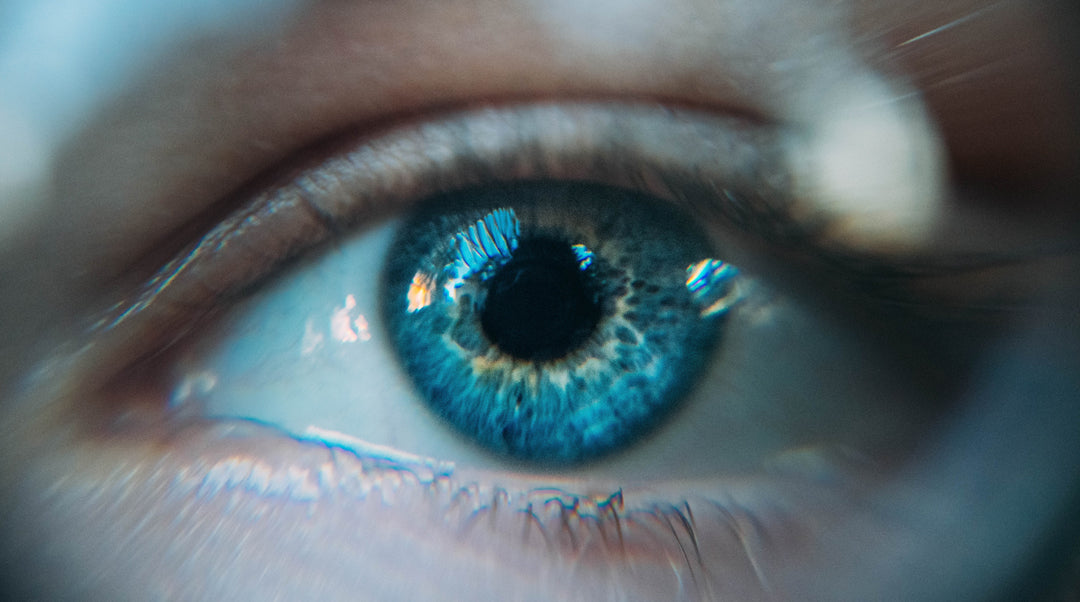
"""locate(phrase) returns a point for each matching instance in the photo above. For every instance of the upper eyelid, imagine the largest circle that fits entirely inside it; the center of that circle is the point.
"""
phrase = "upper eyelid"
(649, 147)
(722, 168)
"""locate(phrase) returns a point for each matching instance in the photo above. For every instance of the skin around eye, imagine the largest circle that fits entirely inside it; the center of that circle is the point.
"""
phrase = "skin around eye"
(166, 517)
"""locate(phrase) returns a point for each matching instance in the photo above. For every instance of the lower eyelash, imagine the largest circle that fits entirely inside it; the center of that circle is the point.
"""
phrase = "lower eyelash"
(743, 526)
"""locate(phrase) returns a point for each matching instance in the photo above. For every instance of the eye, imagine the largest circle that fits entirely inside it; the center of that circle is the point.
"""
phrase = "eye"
(635, 334)
(313, 330)
(183, 449)
(781, 421)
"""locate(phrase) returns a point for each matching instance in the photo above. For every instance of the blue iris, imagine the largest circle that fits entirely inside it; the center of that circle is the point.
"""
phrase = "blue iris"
(554, 322)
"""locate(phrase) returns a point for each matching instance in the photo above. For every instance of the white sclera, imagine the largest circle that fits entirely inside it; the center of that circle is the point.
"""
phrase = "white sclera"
(308, 349)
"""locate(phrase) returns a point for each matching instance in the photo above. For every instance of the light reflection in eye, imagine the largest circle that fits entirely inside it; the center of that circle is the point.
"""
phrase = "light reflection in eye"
(712, 283)
(490, 240)
(345, 327)
(420, 291)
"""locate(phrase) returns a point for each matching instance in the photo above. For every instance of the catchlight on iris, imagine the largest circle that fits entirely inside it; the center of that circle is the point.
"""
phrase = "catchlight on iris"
(554, 322)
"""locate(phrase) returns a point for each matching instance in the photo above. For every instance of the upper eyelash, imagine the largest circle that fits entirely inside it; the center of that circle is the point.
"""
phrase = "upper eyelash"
(723, 169)
(618, 144)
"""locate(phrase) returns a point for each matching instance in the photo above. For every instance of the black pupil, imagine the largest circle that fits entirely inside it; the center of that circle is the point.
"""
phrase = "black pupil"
(540, 305)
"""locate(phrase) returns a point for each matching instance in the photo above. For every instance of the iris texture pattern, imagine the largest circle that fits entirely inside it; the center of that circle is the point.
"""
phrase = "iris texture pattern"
(551, 322)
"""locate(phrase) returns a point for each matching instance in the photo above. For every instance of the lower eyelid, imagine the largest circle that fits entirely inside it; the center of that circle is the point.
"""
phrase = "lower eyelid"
(311, 502)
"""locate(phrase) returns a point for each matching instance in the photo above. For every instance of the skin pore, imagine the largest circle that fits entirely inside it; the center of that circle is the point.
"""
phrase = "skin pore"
(100, 508)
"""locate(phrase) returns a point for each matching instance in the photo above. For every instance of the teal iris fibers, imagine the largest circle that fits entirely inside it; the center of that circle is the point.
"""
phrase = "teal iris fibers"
(620, 298)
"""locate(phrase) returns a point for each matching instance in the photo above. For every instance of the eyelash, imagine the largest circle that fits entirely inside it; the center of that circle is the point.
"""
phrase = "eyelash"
(351, 183)
(754, 519)
(668, 153)
(662, 151)
(348, 186)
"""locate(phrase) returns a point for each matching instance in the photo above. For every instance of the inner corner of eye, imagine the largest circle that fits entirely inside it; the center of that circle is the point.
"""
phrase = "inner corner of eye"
(549, 323)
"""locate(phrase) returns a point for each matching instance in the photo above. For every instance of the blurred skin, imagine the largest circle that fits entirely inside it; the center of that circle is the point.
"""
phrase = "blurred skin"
(107, 511)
